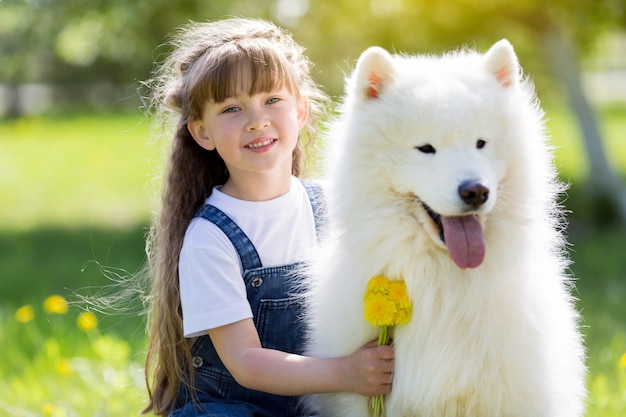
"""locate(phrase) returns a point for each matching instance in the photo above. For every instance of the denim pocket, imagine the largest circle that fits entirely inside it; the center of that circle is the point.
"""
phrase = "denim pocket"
(279, 325)
(213, 381)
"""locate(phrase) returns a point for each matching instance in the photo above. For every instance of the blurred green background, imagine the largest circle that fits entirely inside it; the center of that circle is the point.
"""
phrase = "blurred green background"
(79, 166)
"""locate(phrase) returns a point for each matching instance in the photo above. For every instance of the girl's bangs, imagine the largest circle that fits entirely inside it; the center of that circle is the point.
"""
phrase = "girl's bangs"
(247, 70)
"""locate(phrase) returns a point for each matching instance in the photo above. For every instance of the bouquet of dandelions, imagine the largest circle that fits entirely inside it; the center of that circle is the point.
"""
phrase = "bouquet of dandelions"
(387, 304)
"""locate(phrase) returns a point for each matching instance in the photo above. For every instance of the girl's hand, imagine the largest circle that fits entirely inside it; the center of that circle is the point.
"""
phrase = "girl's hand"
(369, 370)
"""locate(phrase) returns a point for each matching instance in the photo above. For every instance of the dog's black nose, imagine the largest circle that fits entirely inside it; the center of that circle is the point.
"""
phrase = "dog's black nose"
(473, 193)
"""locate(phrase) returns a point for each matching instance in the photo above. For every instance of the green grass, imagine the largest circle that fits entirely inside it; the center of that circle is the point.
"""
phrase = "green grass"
(76, 195)
(600, 269)
(50, 367)
(74, 171)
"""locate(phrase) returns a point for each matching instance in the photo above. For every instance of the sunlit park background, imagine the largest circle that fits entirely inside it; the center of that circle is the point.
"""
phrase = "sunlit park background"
(79, 168)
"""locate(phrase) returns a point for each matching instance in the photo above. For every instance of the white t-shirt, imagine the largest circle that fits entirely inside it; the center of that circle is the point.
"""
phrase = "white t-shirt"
(212, 290)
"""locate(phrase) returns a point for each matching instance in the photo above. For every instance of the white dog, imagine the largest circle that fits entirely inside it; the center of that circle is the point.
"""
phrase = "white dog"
(442, 177)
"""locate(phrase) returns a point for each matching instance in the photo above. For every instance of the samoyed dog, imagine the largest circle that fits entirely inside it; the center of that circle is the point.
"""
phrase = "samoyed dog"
(441, 176)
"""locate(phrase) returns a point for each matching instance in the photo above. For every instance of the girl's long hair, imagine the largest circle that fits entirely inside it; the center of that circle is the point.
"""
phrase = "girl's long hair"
(206, 63)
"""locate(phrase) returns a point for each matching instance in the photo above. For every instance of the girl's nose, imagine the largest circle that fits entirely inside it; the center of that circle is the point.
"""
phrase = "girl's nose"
(257, 121)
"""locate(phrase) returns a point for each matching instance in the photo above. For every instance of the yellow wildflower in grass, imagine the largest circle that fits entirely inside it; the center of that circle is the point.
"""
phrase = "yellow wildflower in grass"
(47, 410)
(386, 304)
(55, 304)
(622, 361)
(25, 313)
(87, 321)
(64, 367)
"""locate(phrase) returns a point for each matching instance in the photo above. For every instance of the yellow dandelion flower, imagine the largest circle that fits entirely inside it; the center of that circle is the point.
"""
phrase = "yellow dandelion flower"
(398, 293)
(622, 361)
(64, 367)
(403, 315)
(25, 313)
(387, 304)
(378, 284)
(47, 409)
(55, 304)
(87, 321)
(379, 294)
(379, 310)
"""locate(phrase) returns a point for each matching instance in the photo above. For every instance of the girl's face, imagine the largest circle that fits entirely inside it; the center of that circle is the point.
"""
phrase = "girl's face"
(254, 134)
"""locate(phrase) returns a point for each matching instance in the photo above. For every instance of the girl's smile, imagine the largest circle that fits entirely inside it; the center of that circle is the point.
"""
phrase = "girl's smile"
(261, 145)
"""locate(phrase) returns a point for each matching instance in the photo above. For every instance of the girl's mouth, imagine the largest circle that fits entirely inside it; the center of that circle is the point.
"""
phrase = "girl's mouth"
(260, 144)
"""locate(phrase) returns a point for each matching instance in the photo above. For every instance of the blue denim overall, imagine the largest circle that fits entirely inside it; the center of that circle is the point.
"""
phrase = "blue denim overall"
(273, 295)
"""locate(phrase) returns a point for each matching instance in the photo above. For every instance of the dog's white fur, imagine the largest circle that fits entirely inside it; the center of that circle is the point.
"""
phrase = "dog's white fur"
(499, 339)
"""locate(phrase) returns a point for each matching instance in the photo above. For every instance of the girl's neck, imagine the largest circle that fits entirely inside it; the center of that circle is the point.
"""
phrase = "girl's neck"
(258, 188)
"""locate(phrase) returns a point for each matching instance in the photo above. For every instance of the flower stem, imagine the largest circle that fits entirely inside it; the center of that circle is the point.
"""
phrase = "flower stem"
(377, 403)
(383, 335)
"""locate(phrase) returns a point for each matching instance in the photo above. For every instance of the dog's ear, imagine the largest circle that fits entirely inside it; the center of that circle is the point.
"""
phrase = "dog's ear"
(374, 70)
(501, 61)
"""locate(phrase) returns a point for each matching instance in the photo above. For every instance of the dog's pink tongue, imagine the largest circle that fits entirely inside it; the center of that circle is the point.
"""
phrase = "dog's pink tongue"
(464, 239)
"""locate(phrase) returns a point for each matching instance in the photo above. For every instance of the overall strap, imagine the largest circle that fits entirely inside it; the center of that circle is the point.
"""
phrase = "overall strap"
(245, 249)
(318, 203)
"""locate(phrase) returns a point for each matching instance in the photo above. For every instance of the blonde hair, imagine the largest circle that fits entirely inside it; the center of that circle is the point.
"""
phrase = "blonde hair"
(206, 63)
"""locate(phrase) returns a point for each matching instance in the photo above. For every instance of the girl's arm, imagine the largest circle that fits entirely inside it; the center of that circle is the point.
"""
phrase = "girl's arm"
(368, 371)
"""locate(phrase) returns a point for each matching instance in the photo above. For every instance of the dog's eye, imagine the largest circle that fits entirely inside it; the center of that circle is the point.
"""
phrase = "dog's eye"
(480, 144)
(426, 148)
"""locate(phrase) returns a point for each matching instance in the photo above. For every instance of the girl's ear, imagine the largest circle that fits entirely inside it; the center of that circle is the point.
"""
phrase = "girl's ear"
(303, 112)
(197, 130)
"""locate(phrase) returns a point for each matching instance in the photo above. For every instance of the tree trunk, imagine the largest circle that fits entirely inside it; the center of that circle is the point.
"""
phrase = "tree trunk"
(14, 108)
(603, 183)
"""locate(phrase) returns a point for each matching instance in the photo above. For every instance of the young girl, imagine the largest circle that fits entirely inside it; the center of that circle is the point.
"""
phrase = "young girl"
(225, 335)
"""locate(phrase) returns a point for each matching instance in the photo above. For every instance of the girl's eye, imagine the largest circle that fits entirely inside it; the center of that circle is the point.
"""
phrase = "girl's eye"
(480, 144)
(273, 100)
(231, 109)
(426, 148)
